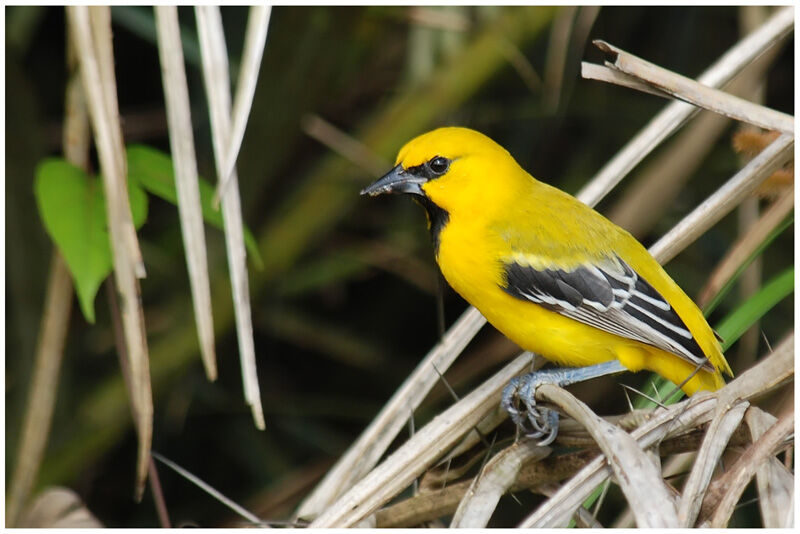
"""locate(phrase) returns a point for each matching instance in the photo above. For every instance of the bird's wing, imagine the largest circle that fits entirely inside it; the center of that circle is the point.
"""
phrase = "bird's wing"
(608, 295)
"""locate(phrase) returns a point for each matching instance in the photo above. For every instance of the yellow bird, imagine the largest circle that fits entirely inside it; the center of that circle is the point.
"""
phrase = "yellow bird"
(549, 272)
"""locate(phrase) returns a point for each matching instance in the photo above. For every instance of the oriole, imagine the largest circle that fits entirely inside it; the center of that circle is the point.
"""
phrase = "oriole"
(549, 272)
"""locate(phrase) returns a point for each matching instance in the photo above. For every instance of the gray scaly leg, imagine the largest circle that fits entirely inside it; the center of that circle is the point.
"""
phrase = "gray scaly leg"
(538, 421)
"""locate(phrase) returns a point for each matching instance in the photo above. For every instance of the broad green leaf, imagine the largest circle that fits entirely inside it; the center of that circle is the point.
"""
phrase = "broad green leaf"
(72, 207)
(153, 170)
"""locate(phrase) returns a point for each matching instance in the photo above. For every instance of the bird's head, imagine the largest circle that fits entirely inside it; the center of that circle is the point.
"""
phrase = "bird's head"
(453, 168)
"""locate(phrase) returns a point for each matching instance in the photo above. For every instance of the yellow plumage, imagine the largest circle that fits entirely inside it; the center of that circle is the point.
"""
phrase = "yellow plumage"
(525, 254)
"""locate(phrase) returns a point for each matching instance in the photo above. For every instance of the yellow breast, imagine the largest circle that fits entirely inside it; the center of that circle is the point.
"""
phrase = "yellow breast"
(468, 258)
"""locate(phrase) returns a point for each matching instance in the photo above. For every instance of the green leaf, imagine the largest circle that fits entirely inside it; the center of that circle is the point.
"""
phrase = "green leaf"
(72, 207)
(742, 318)
(138, 200)
(153, 170)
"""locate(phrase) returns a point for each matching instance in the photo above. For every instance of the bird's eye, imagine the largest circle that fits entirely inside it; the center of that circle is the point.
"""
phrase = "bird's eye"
(439, 165)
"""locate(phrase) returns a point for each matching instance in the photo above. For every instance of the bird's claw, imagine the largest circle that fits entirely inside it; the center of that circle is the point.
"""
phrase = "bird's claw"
(534, 421)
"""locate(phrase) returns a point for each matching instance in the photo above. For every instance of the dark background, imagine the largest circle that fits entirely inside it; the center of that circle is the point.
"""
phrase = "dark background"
(340, 322)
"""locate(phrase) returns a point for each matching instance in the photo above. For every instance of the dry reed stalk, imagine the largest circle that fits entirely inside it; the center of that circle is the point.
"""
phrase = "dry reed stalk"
(720, 500)
(419, 452)
(476, 508)
(583, 518)
(745, 247)
(255, 37)
(639, 478)
(750, 281)
(675, 465)
(194, 479)
(775, 30)
(181, 138)
(43, 387)
(556, 57)
(280, 501)
(774, 480)
(520, 63)
(217, 84)
(725, 198)
(536, 476)
(559, 509)
(55, 316)
(696, 93)
(100, 23)
(373, 442)
(663, 176)
(91, 28)
(768, 374)
(483, 428)
(404, 465)
(714, 444)
(347, 146)
(599, 73)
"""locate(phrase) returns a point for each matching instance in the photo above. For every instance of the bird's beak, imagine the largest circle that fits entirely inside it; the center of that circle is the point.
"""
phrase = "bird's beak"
(398, 180)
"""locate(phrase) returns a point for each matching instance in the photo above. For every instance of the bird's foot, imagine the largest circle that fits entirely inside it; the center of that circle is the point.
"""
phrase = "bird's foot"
(534, 421)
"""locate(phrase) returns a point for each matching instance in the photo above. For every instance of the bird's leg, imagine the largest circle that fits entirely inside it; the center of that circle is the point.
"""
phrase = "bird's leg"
(538, 421)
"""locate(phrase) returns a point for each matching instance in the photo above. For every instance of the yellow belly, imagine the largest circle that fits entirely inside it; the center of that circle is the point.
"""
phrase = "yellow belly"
(558, 338)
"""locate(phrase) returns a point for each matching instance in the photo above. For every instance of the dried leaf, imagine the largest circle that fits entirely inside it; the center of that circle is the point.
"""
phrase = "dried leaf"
(58, 507)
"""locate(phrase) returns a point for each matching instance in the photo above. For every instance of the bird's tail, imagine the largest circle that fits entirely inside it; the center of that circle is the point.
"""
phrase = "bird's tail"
(672, 367)
(703, 381)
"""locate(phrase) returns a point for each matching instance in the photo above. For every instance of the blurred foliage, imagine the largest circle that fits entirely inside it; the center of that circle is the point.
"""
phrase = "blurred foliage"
(339, 321)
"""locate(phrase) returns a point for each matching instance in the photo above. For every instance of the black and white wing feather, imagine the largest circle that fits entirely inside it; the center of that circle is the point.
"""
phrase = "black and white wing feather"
(609, 296)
